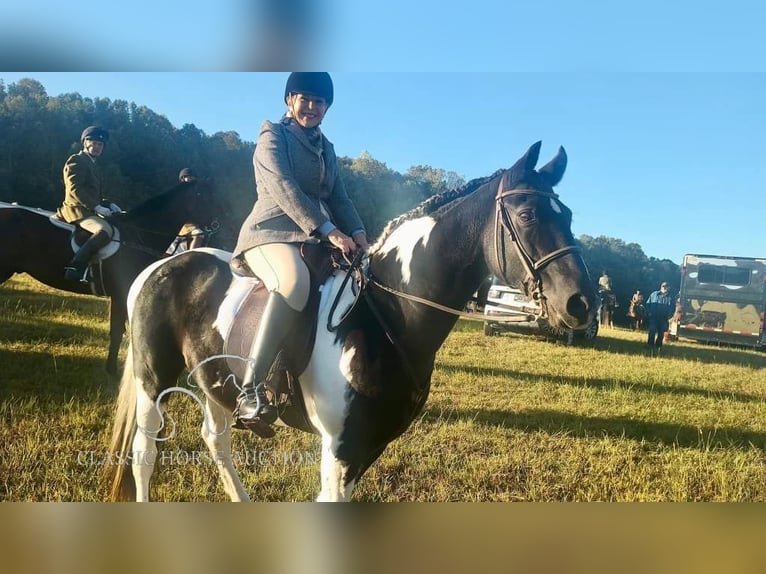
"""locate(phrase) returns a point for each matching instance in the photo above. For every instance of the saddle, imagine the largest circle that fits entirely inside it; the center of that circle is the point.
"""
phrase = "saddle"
(78, 237)
(282, 379)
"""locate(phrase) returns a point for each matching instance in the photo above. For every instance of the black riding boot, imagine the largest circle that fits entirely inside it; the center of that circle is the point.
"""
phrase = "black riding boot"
(75, 271)
(253, 409)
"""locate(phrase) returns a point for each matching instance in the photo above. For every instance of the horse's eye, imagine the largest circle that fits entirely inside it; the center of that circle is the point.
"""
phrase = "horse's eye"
(526, 216)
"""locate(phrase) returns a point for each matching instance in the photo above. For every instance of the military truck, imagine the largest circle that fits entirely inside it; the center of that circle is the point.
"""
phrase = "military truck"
(722, 300)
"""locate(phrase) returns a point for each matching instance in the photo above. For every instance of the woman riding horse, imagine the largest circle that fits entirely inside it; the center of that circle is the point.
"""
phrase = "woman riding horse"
(301, 198)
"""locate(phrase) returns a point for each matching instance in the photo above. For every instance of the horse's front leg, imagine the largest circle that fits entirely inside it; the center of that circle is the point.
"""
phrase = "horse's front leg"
(118, 314)
(334, 473)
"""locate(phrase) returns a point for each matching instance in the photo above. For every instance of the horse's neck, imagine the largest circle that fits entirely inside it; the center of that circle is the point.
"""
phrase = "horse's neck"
(440, 259)
(156, 229)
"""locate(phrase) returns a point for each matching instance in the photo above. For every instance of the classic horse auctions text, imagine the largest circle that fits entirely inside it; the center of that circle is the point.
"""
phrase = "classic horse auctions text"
(198, 458)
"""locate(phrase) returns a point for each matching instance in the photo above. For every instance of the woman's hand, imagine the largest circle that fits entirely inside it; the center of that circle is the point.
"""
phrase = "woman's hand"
(341, 241)
(361, 240)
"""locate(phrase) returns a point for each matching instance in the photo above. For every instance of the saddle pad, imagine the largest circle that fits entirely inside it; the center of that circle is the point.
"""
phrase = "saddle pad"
(80, 236)
(239, 339)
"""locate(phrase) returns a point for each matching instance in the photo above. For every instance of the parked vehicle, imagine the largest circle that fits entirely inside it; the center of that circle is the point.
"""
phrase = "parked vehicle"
(722, 299)
(504, 301)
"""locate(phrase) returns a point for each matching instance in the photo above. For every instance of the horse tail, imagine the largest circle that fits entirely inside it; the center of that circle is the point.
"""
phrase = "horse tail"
(123, 484)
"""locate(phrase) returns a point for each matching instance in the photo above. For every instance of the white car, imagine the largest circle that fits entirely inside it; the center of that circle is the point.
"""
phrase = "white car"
(504, 301)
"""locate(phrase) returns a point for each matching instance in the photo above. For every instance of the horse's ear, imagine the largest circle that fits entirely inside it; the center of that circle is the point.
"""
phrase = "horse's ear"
(553, 171)
(526, 164)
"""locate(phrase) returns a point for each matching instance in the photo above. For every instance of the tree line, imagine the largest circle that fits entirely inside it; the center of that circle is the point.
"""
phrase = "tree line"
(146, 152)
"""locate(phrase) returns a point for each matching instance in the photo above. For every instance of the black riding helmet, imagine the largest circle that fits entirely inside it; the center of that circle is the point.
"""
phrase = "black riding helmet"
(310, 83)
(94, 133)
(186, 172)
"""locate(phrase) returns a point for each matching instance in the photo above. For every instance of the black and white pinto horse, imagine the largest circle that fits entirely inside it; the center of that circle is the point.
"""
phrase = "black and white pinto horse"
(367, 379)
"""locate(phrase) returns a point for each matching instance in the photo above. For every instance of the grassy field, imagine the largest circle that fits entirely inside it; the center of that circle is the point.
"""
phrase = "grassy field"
(510, 418)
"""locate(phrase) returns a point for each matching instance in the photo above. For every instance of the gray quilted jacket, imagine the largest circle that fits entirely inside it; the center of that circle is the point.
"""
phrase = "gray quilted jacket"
(293, 178)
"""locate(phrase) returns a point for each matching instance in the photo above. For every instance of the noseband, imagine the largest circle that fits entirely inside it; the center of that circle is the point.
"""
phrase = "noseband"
(533, 283)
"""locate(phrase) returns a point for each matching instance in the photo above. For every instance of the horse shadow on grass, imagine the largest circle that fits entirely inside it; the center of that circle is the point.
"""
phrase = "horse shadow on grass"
(581, 426)
(701, 354)
(27, 317)
(38, 354)
(41, 330)
(37, 301)
(48, 376)
(608, 384)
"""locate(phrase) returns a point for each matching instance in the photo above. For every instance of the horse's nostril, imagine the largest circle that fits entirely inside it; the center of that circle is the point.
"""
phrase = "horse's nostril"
(577, 306)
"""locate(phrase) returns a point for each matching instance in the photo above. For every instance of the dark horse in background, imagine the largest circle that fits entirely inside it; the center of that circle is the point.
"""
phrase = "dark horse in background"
(608, 305)
(33, 243)
(636, 315)
(369, 374)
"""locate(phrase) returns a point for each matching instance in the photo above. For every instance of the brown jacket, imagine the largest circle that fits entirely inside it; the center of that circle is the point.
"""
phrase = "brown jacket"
(83, 188)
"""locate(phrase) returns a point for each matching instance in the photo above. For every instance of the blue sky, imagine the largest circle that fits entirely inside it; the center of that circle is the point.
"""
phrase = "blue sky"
(391, 35)
(675, 162)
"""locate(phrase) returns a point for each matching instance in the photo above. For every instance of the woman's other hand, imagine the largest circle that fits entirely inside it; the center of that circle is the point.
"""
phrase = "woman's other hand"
(341, 241)
(361, 240)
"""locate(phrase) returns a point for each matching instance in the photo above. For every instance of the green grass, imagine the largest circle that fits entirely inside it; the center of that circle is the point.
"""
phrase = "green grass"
(509, 418)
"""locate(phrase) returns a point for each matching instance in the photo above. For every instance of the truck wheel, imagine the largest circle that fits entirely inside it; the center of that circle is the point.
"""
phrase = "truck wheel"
(590, 333)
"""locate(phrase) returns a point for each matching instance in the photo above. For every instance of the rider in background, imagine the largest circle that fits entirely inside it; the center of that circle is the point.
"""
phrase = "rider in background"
(84, 201)
(301, 198)
(605, 282)
(189, 236)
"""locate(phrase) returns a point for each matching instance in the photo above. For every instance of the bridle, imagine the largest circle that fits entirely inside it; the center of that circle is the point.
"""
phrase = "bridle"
(533, 282)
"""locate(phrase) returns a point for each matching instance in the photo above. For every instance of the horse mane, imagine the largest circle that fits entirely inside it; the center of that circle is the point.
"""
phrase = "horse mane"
(434, 203)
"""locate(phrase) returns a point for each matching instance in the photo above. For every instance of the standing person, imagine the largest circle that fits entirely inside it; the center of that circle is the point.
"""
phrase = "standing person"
(301, 198)
(189, 236)
(84, 201)
(608, 300)
(636, 310)
(659, 309)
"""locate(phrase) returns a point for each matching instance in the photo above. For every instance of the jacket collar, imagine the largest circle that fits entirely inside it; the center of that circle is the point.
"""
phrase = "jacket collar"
(86, 154)
(300, 134)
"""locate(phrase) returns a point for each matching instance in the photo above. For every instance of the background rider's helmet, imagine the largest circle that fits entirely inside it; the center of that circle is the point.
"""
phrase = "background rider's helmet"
(186, 172)
(94, 133)
(310, 83)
